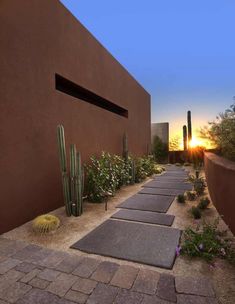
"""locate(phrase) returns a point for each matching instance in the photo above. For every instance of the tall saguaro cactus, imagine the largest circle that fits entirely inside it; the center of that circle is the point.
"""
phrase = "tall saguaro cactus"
(185, 139)
(72, 185)
(125, 152)
(189, 126)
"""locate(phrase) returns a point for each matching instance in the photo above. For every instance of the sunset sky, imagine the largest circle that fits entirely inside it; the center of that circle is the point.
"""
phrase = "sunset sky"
(182, 52)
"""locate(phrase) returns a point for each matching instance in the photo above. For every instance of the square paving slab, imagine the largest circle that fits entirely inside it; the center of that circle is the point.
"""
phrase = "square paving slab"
(168, 185)
(170, 178)
(154, 203)
(160, 191)
(137, 242)
(145, 217)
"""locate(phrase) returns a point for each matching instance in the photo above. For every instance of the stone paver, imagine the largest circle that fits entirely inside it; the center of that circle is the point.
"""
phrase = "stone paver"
(103, 294)
(146, 281)
(25, 267)
(76, 296)
(62, 284)
(37, 296)
(39, 283)
(27, 252)
(69, 264)
(48, 274)
(8, 264)
(14, 292)
(125, 276)
(84, 285)
(30, 275)
(195, 286)
(166, 287)
(155, 300)
(126, 296)
(190, 299)
(86, 267)
(10, 247)
(105, 272)
(53, 259)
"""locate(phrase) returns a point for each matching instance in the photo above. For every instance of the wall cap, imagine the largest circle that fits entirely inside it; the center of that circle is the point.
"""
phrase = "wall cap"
(221, 161)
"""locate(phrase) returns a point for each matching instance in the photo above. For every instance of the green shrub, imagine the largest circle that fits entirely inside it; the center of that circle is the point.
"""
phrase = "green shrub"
(204, 203)
(191, 195)
(45, 223)
(207, 242)
(221, 132)
(181, 198)
(158, 169)
(159, 149)
(196, 212)
(105, 175)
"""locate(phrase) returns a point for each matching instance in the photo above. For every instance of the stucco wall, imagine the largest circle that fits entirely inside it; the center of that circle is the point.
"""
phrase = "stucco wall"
(38, 39)
(220, 176)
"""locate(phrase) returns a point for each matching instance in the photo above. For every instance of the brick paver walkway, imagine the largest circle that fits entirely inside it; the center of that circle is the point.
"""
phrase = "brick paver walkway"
(37, 275)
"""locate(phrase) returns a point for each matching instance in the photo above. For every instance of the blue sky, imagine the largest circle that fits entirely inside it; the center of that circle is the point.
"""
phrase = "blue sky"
(181, 51)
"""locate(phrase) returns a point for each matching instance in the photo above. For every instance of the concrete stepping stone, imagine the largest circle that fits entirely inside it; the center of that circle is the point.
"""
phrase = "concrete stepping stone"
(161, 192)
(154, 203)
(168, 185)
(145, 217)
(137, 242)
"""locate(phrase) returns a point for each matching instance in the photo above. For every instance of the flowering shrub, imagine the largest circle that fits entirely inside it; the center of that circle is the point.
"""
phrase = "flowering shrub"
(109, 172)
(207, 242)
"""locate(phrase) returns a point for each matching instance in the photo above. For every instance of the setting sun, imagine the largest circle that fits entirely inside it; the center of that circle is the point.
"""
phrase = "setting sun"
(195, 142)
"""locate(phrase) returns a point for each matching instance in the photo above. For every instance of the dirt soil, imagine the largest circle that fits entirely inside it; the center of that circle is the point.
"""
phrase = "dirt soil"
(72, 229)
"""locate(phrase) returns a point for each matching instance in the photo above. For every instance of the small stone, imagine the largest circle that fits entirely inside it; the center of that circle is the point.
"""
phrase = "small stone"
(39, 283)
(103, 294)
(130, 297)
(48, 274)
(29, 276)
(166, 287)
(84, 285)
(146, 281)
(8, 264)
(195, 286)
(86, 267)
(105, 272)
(125, 276)
(62, 284)
(76, 296)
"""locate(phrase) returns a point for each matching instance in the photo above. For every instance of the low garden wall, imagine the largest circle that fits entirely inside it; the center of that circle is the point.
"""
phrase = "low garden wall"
(220, 176)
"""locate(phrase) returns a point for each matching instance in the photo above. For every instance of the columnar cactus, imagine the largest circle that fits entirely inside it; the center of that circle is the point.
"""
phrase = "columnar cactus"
(72, 187)
(185, 137)
(132, 171)
(125, 147)
(189, 126)
(63, 167)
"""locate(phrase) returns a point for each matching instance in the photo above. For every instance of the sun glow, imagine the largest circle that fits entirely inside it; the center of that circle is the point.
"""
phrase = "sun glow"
(195, 142)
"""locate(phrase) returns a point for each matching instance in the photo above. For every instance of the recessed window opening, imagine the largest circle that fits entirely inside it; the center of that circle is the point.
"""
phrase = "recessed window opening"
(68, 87)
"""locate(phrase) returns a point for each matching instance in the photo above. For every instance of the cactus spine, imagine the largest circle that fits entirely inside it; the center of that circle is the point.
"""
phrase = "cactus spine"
(72, 186)
(125, 147)
(189, 127)
(185, 137)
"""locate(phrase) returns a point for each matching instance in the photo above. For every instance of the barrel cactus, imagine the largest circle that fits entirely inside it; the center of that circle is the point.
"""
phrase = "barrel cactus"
(45, 223)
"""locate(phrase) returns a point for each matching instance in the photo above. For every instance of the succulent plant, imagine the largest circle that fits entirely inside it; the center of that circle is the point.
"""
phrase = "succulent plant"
(191, 195)
(196, 212)
(45, 223)
(204, 203)
(185, 139)
(181, 198)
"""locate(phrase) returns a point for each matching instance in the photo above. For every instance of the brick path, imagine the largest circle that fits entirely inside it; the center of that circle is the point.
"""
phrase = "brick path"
(37, 275)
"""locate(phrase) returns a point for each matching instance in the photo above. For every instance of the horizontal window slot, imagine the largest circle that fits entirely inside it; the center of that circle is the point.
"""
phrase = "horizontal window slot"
(68, 87)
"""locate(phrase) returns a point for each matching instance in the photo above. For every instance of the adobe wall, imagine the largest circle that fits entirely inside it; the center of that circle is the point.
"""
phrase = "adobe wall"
(38, 39)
